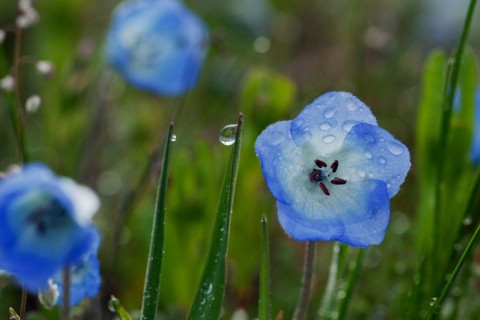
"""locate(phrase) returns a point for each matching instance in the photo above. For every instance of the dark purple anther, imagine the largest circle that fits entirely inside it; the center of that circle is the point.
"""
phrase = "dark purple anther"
(320, 163)
(314, 175)
(338, 181)
(334, 166)
(324, 188)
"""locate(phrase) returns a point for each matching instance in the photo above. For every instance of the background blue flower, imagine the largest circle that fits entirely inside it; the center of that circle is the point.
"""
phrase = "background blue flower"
(475, 149)
(45, 224)
(84, 279)
(333, 171)
(158, 46)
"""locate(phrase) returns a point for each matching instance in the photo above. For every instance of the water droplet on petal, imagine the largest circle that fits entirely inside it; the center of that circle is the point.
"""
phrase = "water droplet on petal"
(369, 138)
(173, 138)
(361, 173)
(329, 138)
(351, 106)
(361, 109)
(347, 125)
(382, 160)
(297, 123)
(325, 126)
(227, 134)
(302, 137)
(329, 113)
(395, 148)
(368, 155)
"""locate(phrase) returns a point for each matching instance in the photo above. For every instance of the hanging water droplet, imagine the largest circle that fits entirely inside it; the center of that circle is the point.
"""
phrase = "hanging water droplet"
(325, 126)
(432, 301)
(382, 160)
(395, 148)
(329, 113)
(347, 125)
(368, 155)
(173, 138)
(227, 134)
(329, 138)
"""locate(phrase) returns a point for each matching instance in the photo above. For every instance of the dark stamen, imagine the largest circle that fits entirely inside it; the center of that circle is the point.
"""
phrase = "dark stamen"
(334, 166)
(320, 163)
(338, 181)
(324, 188)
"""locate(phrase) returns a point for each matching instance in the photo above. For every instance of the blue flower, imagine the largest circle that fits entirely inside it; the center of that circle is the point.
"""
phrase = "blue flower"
(84, 279)
(157, 45)
(333, 171)
(45, 224)
(475, 149)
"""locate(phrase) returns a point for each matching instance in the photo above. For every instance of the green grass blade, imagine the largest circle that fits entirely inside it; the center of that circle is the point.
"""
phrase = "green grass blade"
(353, 274)
(115, 306)
(209, 297)
(328, 304)
(264, 308)
(155, 256)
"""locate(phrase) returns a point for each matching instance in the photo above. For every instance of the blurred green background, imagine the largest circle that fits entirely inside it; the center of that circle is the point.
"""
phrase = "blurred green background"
(267, 59)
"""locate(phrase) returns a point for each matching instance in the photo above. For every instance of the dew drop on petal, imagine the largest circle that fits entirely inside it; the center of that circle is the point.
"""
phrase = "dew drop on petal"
(351, 106)
(361, 173)
(369, 138)
(368, 155)
(303, 137)
(382, 160)
(361, 109)
(329, 113)
(347, 125)
(227, 134)
(297, 123)
(329, 138)
(173, 138)
(395, 148)
(325, 126)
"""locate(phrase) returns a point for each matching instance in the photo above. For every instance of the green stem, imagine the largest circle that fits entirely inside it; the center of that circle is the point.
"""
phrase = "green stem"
(66, 293)
(265, 309)
(327, 305)
(351, 281)
(23, 304)
(19, 109)
(302, 304)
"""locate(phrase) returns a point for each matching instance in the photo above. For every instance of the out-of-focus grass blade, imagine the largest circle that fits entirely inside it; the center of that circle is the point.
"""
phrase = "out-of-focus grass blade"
(209, 297)
(115, 306)
(155, 256)
(264, 308)
(353, 273)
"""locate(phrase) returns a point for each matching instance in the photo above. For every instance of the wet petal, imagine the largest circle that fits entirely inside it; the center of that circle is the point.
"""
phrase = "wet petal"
(357, 215)
(373, 153)
(324, 123)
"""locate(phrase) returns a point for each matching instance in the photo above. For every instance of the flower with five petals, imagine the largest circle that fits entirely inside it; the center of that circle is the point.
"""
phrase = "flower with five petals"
(333, 171)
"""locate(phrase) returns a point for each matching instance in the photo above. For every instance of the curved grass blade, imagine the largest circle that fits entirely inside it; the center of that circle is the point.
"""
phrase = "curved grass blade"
(155, 256)
(115, 306)
(264, 307)
(208, 300)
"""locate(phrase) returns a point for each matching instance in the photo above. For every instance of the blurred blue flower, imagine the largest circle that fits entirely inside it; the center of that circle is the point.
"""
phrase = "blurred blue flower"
(157, 45)
(475, 149)
(84, 279)
(45, 224)
(332, 171)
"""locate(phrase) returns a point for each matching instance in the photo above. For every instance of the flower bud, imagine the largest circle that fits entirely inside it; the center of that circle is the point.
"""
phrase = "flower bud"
(49, 297)
(33, 103)
(7, 83)
(45, 68)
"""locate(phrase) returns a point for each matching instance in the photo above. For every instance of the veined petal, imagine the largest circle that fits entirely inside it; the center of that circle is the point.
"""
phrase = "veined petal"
(357, 215)
(373, 153)
(324, 123)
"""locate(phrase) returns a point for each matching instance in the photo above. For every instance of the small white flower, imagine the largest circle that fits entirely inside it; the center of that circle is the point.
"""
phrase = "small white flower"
(33, 103)
(2, 36)
(7, 83)
(45, 68)
(27, 19)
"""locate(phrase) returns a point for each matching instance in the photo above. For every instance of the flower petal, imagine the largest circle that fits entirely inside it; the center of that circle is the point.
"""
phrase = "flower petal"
(328, 119)
(358, 215)
(373, 153)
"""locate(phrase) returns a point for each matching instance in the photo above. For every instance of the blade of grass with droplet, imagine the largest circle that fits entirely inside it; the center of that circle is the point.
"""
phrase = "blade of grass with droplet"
(155, 256)
(264, 308)
(115, 306)
(209, 297)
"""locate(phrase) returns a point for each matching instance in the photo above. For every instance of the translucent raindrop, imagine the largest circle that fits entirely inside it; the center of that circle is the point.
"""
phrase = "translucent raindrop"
(432, 301)
(369, 138)
(368, 155)
(325, 126)
(351, 106)
(394, 148)
(297, 123)
(361, 173)
(347, 125)
(329, 138)
(207, 288)
(361, 109)
(227, 134)
(173, 138)
(329, 113)
(382, 160)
